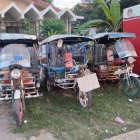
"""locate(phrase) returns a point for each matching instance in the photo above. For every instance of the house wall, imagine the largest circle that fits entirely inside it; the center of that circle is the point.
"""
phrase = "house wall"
(16, 11)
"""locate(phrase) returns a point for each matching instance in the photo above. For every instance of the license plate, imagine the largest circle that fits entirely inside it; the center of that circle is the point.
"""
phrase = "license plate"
(88, 82)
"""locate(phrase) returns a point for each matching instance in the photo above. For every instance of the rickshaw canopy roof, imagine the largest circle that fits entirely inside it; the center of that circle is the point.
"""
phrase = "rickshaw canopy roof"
(104, 38)
(67, 39)
(9, 38)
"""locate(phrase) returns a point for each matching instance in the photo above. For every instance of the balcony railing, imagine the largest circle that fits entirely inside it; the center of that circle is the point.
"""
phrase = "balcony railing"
(13, 27)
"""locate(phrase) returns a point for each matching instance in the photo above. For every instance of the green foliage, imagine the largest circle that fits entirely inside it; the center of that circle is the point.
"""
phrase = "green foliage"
(52, 26)
(49, 1)
(90, 11)
(60, 113)
(29, 27)
(89, 24)
(115, 11)
(105, 9)
(102, 9)
(112, 13)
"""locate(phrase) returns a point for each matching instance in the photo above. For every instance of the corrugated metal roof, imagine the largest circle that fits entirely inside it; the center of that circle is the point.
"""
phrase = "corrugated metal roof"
(13, 36)
(114, 35)
(105, 38)
(67, 39)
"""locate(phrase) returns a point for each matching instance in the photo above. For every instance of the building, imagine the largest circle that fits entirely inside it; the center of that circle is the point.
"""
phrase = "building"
(13, 12)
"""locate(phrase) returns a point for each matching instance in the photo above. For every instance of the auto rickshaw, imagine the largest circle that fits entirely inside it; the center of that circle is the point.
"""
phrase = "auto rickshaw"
(64, 59)
(19, 70)
(113, 59)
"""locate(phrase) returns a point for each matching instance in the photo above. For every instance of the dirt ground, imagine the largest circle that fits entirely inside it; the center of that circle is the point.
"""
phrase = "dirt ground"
(7, 123)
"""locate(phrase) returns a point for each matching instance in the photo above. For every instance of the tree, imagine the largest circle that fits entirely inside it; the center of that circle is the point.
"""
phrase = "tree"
(52, 26)
(29, 27)
(91, 10)
(49, 1)
(112, 13)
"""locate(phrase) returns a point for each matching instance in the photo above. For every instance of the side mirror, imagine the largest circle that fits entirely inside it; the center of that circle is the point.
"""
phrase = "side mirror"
(60, 43)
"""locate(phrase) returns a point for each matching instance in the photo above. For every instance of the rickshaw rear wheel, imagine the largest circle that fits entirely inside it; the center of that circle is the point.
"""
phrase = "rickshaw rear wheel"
(85, 99)
(134, 90)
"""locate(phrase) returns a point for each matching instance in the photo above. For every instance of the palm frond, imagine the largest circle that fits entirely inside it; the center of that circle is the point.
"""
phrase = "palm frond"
(94, 22)
(115, 10)
(106, 10)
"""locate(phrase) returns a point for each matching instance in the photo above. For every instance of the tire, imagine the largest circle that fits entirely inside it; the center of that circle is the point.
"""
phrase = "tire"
(134, 90)
(49, 86)
(85, 99)
(18, 111)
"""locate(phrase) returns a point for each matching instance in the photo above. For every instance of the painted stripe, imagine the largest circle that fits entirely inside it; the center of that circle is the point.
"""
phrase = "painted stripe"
(127, 19)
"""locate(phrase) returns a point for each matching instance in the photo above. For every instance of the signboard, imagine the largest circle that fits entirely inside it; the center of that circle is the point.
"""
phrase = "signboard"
(131, 12)
(88, 82)
(131, 23)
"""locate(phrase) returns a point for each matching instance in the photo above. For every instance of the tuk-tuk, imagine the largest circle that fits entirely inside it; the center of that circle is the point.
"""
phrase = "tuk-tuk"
(19, 70)
(64, 59)
(114, 57)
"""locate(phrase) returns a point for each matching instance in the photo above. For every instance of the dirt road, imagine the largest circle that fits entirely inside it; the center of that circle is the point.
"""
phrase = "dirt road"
(6, 124)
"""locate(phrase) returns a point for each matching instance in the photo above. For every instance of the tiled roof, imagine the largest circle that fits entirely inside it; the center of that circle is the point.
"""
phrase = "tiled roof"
(25, 3)
(22, 4)
(41, 4)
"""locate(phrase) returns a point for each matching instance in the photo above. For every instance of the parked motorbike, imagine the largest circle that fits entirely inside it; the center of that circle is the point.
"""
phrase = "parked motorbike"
(19, 70)
(66, 66)
(114, 58)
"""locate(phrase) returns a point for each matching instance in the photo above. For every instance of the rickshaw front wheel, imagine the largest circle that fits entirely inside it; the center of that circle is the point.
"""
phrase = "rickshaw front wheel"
(49, 86)
(18, 111)
(133, 88)
(85, 99)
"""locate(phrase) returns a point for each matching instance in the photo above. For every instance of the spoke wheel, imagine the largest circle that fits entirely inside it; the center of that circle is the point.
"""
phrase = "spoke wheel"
(85, 99)
(18, 111)
(133, 88)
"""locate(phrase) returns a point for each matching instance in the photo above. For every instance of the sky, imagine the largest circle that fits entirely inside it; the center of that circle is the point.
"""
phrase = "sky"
(65, 3)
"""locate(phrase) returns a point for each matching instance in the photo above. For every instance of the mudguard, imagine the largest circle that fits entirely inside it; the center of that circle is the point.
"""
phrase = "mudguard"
(17, 94)
(134, 75)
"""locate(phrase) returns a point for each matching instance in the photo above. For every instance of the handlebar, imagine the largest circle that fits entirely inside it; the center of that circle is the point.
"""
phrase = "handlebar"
(78, 66)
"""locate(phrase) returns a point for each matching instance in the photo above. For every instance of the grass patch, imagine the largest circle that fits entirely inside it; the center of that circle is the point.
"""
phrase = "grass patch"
(67, 120)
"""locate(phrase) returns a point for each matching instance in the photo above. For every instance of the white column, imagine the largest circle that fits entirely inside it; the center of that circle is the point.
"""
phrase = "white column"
(2, 26)
(67, 24)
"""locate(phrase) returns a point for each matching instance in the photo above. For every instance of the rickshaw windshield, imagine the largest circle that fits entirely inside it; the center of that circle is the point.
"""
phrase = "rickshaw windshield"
(125, 48)
(14, 54)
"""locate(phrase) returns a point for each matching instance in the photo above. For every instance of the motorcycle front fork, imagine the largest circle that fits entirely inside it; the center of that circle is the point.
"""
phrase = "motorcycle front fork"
(127, 77)
(22, 99)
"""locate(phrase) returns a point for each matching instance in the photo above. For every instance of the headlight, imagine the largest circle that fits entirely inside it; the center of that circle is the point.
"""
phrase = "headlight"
(15, 73)
(131, 60)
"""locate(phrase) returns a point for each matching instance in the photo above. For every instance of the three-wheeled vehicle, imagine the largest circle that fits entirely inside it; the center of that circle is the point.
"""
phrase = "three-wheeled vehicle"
(114, 57)
(64, 58)
(19, 70)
